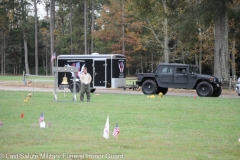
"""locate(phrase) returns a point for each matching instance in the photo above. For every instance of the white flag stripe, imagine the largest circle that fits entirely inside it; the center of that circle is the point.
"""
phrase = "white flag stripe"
(106, 129)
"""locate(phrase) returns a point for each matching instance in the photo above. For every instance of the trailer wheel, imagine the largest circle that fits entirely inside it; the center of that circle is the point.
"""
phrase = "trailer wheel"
(217, 92)
(149, 87)
(162, 90)
(77, 87)
(204, 89)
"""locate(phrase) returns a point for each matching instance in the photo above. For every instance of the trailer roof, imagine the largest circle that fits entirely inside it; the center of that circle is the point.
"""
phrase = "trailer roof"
(91, 56)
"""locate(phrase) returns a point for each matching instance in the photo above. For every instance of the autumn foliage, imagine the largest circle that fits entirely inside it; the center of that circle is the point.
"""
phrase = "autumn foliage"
(111, 23)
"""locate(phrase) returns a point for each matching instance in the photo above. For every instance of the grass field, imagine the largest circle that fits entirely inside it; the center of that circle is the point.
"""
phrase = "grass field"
(167, 128)
(20, 78)
(42, 81)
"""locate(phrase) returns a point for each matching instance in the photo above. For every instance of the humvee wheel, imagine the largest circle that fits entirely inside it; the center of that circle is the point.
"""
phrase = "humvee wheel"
(77, 87)
(149, 87)
(217, 92)
(163, 90)
(204, 89)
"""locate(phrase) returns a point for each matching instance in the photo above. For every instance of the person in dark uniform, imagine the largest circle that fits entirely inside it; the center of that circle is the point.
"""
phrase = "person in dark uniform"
(86, 79)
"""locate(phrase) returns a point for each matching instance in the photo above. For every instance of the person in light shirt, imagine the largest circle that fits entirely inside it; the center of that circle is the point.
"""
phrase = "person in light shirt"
(86, 79)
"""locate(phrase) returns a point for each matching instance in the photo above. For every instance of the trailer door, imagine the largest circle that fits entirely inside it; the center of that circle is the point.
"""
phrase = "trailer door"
(99, 73)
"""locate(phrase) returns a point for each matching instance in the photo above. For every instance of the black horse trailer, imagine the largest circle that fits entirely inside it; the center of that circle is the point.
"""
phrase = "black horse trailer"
(107, 70)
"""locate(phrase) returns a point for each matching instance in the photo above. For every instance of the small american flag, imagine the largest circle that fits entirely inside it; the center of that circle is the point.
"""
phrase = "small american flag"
(41, 119)
(1, 123)
(53, 56)
(116, 131)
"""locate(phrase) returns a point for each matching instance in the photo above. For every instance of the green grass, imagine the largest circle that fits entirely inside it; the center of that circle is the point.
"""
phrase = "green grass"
(42, 80)
(20, 78)
(159, 128)
(37, 81)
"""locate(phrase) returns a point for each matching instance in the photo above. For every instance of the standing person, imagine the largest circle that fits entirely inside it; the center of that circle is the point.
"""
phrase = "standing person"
(86, 79)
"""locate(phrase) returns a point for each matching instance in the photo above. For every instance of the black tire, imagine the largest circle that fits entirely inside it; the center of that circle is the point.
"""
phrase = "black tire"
(163, 90)
(217, 92)
(204, 89)
(77, 87)
(149, 87)
(238, 94)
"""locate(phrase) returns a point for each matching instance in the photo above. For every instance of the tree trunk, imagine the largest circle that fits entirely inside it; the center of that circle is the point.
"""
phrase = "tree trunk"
(2, 55)
(61, 17)
(52, 29)
(166, 49)
(233, 59)
(92, 28)
(225, 53)
(20, 59)
(165, 26)
(36, 38)
(43, 61)
(183, 56)
(85, 26)
(217, 45)
(25, 39)
(196, 57)
(26, 52)
(3, 62)
(13, 65)
(46, 61)
(221, 54)
(123, 32)
(71, 27)
(200, 52)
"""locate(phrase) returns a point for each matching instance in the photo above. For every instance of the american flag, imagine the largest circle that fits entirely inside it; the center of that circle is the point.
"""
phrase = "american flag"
(41, 119)
(116, 131)
(53, 56)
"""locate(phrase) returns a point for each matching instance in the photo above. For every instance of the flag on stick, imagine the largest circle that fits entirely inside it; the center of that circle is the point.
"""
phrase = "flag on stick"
(41, 119)
(22, 115)
(106, 129)
(53, 56)
(116, 131)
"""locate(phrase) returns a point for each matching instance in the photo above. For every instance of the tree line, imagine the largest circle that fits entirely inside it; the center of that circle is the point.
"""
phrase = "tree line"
(201, 32)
